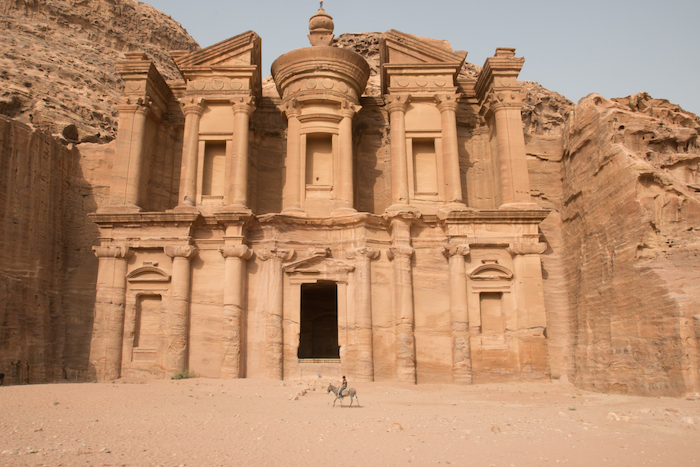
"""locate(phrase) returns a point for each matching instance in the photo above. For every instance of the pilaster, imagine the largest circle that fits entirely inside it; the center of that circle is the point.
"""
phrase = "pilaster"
(234, 308)
(459, 314)
(273, 258)
(363, 315)
(108, 328)
(396, 106)
(193, 109)
(447, 105)
(178, 329)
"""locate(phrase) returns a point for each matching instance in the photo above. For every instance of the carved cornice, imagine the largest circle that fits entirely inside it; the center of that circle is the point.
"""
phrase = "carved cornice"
(500, 73)
(396, 102)
(362, 252)
(236, 251)
(456, 250)
(521, 248)
(113, 251)
(181, 251)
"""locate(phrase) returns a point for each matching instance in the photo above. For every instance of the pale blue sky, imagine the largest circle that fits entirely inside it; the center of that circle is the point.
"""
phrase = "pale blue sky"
(613, 47)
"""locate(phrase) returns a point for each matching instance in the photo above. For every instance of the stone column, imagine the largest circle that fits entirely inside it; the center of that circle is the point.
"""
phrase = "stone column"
(363, 315)
(401, 253)
(396, 105)
(234, 286)
(193, 110)
(512, 162)
(291, 195)
(345, 191)
(237, 169)
(274, 361)
(108, 328)
(459, 315)
(178, 329)
(128, 166)
(447, 104)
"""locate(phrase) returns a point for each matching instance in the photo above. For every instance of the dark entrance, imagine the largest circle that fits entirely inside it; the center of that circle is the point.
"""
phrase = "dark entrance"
(319, 320)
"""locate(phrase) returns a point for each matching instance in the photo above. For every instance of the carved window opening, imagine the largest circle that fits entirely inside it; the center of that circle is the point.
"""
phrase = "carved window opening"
(319, 159)
(214, 168)
(492, 320)
(318, 336)
(425, 174)
(147, 332)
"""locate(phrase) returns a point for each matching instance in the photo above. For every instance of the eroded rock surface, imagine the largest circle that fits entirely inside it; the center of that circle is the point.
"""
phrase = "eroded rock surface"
(631, 217)
(57, 61)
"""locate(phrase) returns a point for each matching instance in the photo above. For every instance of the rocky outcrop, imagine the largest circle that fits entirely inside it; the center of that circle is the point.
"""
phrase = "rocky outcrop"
(631, 217)
(57, 61)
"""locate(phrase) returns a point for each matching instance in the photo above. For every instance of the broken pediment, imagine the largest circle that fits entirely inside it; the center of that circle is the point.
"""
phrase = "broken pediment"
(414, 64)
(319, 263)
(236, 57)
(400, 48)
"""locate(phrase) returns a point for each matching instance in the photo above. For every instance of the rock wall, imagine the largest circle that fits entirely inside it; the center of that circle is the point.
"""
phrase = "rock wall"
(631, 216)
(57, 61)
(42, 333)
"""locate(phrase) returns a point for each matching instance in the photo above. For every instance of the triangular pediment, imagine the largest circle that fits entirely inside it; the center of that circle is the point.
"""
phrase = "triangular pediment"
(241, 50)
(319, 262)
(406, 49)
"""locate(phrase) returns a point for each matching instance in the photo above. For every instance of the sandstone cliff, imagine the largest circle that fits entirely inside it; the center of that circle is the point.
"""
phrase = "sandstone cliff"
(631, 216)
(57, 60)
(619, 176)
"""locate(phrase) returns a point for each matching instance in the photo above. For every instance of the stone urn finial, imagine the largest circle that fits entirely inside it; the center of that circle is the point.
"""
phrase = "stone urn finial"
(321, 28)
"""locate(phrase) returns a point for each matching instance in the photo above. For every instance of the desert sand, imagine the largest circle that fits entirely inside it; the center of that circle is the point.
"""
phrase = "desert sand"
(207, 422)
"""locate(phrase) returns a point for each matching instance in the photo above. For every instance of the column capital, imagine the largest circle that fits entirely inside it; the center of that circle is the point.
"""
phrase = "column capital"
(183, 251)
(113, 251)
(454, 250)
(521, 248)
(291, 108)
(447, 102)
(349, 108)
(506, 99)
(401, 251)
(396, 102)
(192, 105)
(284, 254)
(362, 252)
(245, 104)
(236, 251)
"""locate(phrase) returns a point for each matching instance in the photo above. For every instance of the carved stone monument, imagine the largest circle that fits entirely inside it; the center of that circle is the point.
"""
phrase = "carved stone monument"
(318, 229)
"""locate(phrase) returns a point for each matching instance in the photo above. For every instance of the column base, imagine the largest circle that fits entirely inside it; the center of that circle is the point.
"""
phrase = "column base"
(294, 212)
(119, 209)
(185, 208)
(343, 212)
(402, 210)
(237, 208)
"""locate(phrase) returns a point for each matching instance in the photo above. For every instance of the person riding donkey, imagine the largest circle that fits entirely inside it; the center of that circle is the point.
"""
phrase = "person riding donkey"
(343, 387)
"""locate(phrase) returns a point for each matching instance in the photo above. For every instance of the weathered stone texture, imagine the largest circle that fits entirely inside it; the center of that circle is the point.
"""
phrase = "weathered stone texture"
(630, 225)
(58, 60)
(42, 332)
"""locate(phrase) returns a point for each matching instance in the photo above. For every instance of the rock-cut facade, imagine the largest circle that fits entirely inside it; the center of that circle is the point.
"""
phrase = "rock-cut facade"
(304, 226)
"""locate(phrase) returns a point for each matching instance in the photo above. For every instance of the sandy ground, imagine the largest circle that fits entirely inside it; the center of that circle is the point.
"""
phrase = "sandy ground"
(204, 422)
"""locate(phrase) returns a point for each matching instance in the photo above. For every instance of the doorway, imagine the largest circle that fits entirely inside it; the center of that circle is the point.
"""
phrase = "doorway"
(318, 337)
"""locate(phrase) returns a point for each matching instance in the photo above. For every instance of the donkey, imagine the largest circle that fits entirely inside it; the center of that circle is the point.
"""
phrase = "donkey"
(348, 392)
